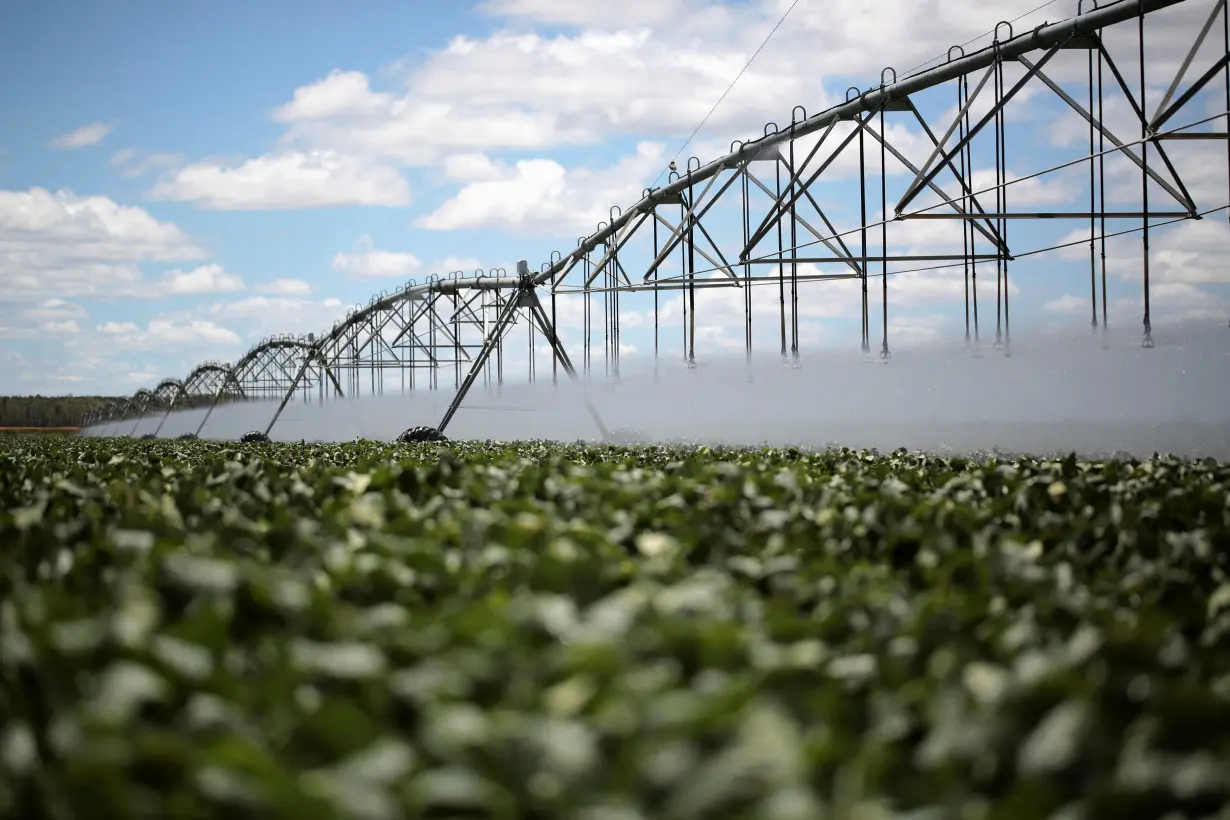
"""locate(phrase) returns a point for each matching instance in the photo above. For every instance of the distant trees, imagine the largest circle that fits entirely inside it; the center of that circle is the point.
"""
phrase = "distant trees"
(47, 411)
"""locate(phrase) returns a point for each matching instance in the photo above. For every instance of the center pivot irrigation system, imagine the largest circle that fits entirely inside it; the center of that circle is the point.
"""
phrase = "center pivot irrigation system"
(757, 209)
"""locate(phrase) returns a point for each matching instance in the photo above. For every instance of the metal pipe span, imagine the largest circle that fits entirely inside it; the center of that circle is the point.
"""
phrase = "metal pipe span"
(418, 291)
(1044, 36)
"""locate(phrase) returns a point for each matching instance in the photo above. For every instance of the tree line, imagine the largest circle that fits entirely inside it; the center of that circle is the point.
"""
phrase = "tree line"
(47, 411)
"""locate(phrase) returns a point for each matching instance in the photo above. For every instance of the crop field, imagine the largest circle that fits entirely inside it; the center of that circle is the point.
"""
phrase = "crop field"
(362, 630)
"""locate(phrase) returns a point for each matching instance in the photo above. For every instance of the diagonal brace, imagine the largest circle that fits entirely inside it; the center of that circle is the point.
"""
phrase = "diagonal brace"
(779, 208)
(916, 187)
(1123, 149)
(1218, 7)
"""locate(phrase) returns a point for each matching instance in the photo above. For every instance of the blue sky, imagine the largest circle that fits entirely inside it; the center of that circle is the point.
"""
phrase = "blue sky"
(179, 180)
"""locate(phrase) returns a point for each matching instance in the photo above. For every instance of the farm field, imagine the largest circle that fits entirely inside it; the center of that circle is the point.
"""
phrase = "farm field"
(364, 630)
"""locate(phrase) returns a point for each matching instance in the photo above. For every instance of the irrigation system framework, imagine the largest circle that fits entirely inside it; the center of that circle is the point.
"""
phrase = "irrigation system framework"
(408, 339)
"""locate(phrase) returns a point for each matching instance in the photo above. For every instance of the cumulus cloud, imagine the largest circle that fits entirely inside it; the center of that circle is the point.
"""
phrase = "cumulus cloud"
(1189, 253)
(260, 316)
(55, 309)
(285, 287)
(629, 13)
(542, 196)
(49, 316)
(117, 328)
(1067, 304)
(645, 69)
(83, 137)
(67, 326)
(203, 279)
(69, 246)
(287, 181)
(366, 261)
(123, 160)
(167, 332)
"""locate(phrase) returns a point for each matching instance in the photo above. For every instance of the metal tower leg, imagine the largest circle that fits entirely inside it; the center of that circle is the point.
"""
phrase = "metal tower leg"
(307, 361)
(527, 298)
(476, 367)
(209, 412)
(557, 346)
(165, 416)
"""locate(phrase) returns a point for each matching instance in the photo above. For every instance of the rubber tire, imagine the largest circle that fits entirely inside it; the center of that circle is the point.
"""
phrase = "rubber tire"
(420, 434)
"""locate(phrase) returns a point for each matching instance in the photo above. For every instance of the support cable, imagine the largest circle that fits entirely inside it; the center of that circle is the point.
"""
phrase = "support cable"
(746, 66)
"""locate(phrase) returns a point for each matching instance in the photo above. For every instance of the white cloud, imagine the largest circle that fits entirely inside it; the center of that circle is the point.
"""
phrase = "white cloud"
(365, 261)
(121, 157)
(1177, 302)
(148, 163)
(203, 279)
(1190, 252)
(264, 315)
(1188, 280)
(287, 181)
(454, 264)
(1067, 304)
(627, 13)
(117, 328)
(166, 332)
(67, 326)
(542, 196)
(68, 246)
(105, 227)
(649, 68)
(1056, 188)
(285, 287)
(83, 137)
(471, 167)
(55, 310)
(50, 316)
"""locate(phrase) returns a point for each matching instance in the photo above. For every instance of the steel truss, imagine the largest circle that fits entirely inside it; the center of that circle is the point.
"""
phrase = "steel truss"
(753, 218)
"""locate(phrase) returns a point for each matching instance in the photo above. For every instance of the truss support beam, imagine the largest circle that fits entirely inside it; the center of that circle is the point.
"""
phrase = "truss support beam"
(1179, 197)
(776, 237)
(917, 185)
(1043, 37)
